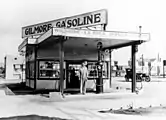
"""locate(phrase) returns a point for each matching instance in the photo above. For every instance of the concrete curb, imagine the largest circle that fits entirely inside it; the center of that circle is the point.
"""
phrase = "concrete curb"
(112, 96)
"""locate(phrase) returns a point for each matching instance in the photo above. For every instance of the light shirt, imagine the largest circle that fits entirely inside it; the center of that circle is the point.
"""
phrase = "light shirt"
(84, 73)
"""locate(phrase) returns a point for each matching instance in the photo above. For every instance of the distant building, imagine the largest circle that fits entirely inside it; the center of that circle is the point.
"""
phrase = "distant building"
(118, 69)
(2, 65)
(153, 66)
(1, 70)
(14, 67)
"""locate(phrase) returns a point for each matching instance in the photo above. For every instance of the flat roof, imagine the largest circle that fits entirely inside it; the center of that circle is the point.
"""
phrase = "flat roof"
(79, 37)
(81, 43)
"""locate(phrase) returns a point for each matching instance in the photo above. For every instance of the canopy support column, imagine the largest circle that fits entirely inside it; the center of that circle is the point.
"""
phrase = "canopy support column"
(110, 74)
(35, 67)
(61, 53)
(133, 65)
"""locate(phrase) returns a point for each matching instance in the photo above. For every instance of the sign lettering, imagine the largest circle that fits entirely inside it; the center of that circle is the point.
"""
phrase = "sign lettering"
(84, 20)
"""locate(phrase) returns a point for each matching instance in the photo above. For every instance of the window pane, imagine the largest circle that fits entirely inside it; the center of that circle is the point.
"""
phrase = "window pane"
(49, 69)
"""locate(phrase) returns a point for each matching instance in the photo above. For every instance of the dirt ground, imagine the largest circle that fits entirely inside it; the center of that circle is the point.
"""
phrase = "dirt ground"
(118, 99)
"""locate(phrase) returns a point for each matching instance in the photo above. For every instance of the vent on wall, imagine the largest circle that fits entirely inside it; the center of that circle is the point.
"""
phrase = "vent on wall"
(15, 58)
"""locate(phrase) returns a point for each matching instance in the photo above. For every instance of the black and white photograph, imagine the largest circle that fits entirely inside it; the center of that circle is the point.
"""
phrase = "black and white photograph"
(82, 59)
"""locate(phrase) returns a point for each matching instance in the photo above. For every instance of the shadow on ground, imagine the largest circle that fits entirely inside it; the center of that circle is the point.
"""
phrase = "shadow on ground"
(77, 91)
(32, 117)
(22, 89)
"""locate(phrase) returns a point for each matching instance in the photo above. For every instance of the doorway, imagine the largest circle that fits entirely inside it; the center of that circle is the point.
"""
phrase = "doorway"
(72, 75)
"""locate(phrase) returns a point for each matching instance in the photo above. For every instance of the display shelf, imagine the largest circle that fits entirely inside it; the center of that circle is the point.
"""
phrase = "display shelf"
(47, 77)
(48, 69)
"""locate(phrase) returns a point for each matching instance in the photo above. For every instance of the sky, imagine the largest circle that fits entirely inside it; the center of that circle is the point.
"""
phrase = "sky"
(123, 15)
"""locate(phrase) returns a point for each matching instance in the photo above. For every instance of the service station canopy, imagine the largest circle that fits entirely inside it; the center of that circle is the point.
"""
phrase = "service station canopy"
(79, 38)
(90, 38)
(22, 46)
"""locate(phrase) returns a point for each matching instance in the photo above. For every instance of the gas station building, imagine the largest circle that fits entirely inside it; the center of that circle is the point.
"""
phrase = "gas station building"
(54, 51)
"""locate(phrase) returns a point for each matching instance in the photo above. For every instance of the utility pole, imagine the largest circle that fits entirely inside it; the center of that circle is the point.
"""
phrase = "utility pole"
(142, 64)
(140, 28)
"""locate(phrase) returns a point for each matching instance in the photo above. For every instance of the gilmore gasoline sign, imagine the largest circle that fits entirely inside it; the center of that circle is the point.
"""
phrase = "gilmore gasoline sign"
(83, 20)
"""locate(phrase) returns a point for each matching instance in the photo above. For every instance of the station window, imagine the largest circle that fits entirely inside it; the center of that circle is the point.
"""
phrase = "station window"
(49, 69)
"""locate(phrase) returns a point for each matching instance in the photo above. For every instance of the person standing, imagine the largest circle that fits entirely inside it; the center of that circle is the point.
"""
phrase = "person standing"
(83, 77)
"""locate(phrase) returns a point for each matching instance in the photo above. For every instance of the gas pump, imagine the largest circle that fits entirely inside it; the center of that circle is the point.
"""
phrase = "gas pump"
(99, 80)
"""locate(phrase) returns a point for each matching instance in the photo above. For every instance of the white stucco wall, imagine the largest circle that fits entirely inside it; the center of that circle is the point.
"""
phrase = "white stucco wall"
(12, 67)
